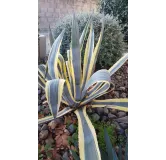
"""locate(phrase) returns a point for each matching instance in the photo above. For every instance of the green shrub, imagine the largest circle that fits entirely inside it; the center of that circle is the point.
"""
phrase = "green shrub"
(119, 9)
(112, 45)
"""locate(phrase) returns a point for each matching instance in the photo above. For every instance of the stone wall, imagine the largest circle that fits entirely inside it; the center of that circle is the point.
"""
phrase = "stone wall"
(50, 11)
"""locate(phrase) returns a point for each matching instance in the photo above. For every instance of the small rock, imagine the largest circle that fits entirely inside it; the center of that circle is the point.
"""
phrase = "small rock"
(67, 132)
(121, 114)
(39, 92)
(59, 120)
(95, 117)
(100, 111)
(118, 77)
(123, 125)
(49, 140)
(123, 95)
(118, 128)
(44, 127)
(111, 116)
(46, 111)
(122, 88)
(116, 93)
(113, 111)
(106, 111)
(122, 120)
(71, 128)
(66, 156)
(104, 118)
(43, 97)
(52, 124)
(43, 134)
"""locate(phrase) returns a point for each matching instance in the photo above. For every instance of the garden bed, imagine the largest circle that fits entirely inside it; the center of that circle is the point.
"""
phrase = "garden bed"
(57, 137)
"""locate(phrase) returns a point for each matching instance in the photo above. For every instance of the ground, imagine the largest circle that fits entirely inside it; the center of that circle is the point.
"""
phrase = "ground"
(57, 137)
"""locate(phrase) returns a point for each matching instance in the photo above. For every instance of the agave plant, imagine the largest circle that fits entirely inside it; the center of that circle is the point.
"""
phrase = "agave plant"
(77, 86)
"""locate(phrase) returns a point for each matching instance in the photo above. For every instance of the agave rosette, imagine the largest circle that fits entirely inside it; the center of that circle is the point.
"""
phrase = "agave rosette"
(77, 86)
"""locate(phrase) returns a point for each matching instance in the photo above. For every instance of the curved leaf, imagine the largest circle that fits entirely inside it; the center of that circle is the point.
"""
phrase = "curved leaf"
(88, 145)
(54, 90)
(120, 104)
(118, 64)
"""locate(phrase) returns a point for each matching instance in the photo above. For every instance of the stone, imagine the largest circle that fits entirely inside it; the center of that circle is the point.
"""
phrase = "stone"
(52, 124)
(122, 88)
(113, 111)
(43, 134)
(65, 156)
(46, 111)
(116, 93)
(106, 111)
(95, 117)
(123, 125)
(71, 128)
(122, 120)
(111, 116)
(100, 111)
(44, 127)
(59, 120)
(123, 95)
(43, 97)
(104, 118)
(121, 114)
(118, 77)
(39, 92)
(49, 140)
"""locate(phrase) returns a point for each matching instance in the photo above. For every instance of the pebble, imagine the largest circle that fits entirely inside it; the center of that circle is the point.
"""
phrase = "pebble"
(116, 93)
(95, 117)
(43, 97)
(123, 125)
(118, 77)
(49, 140)
(121, 114)
(52, 124)
(65, 156)
(113, 111)
(71, 128)
(122, 88)
(100, 111)
(43, 134)
(106, 111)
(46, 111)
(111, 116)
(123, 95)
(39, 92)
(44, 127)
(104, 118)
(122, 120)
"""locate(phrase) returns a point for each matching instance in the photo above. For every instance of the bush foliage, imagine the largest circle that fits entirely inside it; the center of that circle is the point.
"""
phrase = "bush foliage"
(112, 45)
(119, 9)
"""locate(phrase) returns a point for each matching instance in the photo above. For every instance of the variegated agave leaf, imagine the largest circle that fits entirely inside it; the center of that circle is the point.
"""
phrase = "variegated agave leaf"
(76, 86)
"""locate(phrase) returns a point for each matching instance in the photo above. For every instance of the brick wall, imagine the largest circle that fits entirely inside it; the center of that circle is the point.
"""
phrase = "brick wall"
(50, 11)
